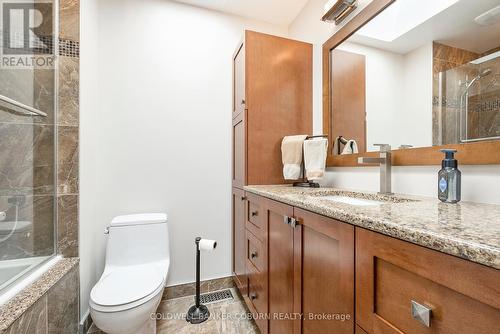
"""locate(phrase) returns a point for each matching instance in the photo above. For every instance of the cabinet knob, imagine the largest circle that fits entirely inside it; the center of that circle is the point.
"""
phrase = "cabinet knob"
(421, 313)
(253, 296)
(253, 255)
(243, 198)
(242, 101)
(286, 220)
(255, 213)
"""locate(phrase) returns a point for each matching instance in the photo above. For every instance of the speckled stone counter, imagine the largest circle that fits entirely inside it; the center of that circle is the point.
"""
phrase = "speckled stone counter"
(467, 230)
(16, 307)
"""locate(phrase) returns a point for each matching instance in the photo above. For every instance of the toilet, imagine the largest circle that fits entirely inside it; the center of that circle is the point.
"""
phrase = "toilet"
(125, 299)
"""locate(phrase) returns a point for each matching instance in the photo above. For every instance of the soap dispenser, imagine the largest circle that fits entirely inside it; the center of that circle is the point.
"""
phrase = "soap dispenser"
(449, 178)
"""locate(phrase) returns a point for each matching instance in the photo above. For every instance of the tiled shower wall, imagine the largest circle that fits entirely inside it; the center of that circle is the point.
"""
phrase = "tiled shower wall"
(57, 310)
(67, 125)
(445, 115)
(27, 155)
(483, 116)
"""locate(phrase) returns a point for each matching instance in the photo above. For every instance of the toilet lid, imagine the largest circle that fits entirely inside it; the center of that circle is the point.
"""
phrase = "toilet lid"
(126, 285)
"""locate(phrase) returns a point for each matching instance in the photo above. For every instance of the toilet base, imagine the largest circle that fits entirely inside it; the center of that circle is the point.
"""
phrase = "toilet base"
(148, 328)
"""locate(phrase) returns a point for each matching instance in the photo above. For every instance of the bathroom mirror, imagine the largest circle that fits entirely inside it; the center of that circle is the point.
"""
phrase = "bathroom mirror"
(417, 75)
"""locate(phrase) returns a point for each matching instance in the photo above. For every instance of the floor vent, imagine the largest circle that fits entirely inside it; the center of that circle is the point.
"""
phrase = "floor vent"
(217, 296)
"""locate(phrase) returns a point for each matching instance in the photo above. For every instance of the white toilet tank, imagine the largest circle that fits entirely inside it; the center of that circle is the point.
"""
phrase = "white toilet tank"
(138, 239)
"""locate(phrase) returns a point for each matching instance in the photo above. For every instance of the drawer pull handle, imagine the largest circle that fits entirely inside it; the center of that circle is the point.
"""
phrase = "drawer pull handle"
(421, 313)
(253, 296)
(255, 213)
(253, 255)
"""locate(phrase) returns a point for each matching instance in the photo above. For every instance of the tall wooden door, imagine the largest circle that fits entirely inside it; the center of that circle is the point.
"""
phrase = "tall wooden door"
(348, 113)
(239, 81)
(281, 267)
(239, 151)
(239, 238)
(324, 266)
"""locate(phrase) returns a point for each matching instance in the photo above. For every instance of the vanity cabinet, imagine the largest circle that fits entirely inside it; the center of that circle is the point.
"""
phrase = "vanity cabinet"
(310, 274)
(324, 271)
(391, 275)
(281, 266)
(239, 233)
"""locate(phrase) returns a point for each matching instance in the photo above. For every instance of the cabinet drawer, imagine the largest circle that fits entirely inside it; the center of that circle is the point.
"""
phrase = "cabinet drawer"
(255, 252)
(256, 291)
(394, 277)
(254, 215)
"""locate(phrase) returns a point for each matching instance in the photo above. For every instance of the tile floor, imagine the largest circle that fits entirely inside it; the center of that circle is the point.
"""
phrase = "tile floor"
(227, 317)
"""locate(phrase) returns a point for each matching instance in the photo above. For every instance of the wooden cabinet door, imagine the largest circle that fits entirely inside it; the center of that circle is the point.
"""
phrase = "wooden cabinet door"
(239, 151)
(324, 268)
(280, 266)
(239, 239)
(348, 111)
(391, 275)
(239, 81)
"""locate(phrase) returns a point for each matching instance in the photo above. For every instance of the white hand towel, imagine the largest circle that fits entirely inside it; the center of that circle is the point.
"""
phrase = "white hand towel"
(315, 151)
(350, 148)
(291, 155)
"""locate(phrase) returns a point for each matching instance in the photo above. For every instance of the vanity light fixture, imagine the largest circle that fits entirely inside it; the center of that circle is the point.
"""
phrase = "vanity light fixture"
(337, 10)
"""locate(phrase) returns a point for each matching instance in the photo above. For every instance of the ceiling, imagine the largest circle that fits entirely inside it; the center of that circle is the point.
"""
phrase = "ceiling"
(281, 12)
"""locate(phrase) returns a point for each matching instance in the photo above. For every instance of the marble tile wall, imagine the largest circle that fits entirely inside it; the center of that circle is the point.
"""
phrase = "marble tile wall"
(56, 312)
(27, 150)
(447, 111)
(484, 109)
(29, 165)
(68, 127)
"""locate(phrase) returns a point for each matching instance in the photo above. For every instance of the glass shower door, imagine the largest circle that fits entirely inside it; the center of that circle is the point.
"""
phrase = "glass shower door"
(27, 137)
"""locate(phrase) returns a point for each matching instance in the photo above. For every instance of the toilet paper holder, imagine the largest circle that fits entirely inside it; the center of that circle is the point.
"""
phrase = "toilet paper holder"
(199, 313)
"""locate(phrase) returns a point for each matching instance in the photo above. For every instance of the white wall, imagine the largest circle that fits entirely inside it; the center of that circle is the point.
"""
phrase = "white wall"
(480, 183)
(161, 130)
(90, 234)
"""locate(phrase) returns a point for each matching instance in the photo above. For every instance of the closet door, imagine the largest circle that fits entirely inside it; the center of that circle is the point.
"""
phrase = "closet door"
(239, 81)
(239, 151)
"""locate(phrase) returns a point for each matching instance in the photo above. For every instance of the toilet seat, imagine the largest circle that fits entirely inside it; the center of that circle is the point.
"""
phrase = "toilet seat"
(126, 287)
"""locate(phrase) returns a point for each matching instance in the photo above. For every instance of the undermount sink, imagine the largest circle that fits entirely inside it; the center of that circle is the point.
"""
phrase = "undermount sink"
(352, 200)
(357, 198)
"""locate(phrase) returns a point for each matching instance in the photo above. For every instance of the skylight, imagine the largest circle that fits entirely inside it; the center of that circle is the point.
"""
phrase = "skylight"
(401, 17)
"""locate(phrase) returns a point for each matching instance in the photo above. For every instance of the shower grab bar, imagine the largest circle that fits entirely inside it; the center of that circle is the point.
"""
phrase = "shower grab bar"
(32, 111)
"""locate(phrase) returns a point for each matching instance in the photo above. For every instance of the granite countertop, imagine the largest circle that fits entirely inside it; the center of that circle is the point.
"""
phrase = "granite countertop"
(22, 301)
(467, 230)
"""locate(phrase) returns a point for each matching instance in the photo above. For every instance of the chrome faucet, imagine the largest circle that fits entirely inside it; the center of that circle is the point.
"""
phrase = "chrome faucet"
(385, 167)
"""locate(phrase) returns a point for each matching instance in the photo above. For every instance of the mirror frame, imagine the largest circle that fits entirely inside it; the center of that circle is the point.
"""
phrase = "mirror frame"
(477, 153)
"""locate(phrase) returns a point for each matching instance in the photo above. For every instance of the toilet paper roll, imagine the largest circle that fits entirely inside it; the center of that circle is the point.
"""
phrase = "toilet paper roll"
(207, 245)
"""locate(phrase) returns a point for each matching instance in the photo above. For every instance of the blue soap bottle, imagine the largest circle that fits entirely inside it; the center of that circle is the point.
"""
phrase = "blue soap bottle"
(449, 178)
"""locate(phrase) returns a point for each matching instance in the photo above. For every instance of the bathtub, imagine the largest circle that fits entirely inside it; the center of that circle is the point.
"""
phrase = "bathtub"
(15, 275)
